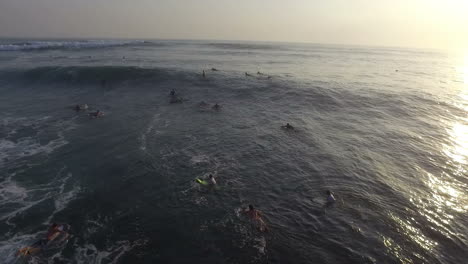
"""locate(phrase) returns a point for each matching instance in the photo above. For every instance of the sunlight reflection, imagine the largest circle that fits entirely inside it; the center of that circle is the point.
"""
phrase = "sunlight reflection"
(458, 152)
(407, 227)
(395, 249)
(465, 70)
(445, 194)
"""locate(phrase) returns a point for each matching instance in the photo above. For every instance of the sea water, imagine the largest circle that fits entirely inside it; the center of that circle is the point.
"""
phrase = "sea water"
(385, 129)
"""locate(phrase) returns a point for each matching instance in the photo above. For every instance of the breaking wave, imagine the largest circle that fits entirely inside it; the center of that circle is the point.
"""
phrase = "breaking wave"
(77, 44)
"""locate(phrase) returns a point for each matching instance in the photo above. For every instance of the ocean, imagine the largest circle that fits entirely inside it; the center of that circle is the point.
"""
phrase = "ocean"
(385, 129)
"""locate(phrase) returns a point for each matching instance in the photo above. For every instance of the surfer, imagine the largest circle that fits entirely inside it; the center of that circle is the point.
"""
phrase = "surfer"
(212, 180)
(330, 198)
(259, 73)
(256, 216)
(81, 107)
(247, 74)
(33, 249)
(203, 74)
(96, 114)
(55, 230)
(288, 126)
(202, 104)
(172, 92)
(214, 69)
(216, 106)
(176, 100)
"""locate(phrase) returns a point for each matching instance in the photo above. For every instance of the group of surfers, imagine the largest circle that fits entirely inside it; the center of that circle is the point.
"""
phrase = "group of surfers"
(253, 214)
(246, 73)
(202, 104)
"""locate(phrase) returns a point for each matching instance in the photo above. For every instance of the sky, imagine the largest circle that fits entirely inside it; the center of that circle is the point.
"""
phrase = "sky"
(441, 24)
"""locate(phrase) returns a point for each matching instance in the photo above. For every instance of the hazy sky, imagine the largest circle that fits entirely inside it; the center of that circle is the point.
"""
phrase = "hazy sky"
(413, 23)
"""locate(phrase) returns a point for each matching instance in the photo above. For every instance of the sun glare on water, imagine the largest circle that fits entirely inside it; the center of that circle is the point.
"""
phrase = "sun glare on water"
(463, 71)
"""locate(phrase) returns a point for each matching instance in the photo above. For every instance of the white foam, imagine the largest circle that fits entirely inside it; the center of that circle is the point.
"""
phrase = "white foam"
(63, 197)
(26, 199)
(149, 129)
(10, 191)
(199, 159)
(260, 244)
(61, 189)
(90, 254)
(82, 44)
(8, 248)
(25, 147)
(12, 150)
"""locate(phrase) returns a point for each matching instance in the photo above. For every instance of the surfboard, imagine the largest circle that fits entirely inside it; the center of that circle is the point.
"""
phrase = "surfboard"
(27, 251)
(202, 182)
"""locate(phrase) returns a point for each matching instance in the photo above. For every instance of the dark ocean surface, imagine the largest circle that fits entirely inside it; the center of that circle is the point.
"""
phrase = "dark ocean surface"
(385, 129)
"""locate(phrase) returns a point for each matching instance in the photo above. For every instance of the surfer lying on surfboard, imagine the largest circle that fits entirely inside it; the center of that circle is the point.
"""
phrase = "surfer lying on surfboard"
(96, 114)
(56, 233)
(288, 126)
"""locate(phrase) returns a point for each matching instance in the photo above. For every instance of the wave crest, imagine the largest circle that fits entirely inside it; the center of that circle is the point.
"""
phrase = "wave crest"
(84, 74)
(77, 44)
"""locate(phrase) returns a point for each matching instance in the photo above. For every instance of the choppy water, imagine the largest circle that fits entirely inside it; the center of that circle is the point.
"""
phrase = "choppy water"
(385, 129)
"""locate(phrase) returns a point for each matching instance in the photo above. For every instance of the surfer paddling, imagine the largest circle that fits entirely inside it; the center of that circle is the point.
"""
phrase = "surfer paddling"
(256, 216)
(56, 233)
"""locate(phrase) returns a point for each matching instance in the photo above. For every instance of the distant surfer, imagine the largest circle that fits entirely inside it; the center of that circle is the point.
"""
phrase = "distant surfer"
(256, 216)
(176, 100)
(288, 126)
(81, 107)
(202, 104)
(172, 92)
(210, 182)
(216, 106)
(203, 74)
(247, 74)
(96, 114)
(259, 73)
(214, 69)
(330, 198)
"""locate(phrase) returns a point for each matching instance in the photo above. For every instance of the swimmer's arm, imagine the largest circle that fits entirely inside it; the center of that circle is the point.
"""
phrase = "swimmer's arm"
(260, 214)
